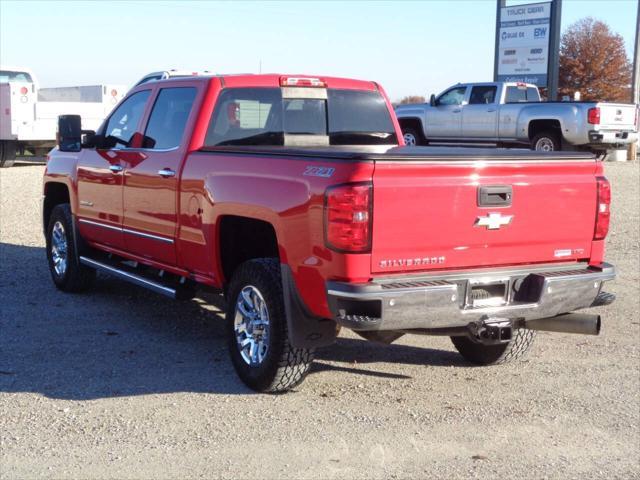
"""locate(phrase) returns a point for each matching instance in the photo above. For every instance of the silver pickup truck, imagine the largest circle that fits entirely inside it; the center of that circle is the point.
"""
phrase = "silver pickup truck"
(512, 114)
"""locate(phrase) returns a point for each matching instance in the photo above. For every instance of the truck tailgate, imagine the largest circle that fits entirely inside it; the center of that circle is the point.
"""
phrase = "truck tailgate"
(617, 116)
(426, 213)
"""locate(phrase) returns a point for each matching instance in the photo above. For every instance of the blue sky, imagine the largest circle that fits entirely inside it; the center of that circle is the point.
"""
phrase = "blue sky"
(409, 47)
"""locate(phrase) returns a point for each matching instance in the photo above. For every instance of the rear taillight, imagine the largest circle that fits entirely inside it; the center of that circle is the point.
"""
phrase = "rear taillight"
(347, 214)
(593, 116)
(603, 212)
(24, 91)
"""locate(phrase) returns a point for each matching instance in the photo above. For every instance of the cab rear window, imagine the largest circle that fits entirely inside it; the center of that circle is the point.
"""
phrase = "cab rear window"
(260, 116)
(519, 94)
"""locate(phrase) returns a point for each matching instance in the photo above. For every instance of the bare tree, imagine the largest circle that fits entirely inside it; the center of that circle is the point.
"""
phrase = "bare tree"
(593, 60)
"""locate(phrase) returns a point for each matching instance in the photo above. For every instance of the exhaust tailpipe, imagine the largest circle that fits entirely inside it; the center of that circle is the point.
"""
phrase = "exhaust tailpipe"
(582, 323)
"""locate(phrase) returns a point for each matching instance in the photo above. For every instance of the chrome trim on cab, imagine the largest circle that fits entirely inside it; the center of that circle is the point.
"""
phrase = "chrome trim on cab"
(126, 230)
(147, 235)
(98, 224)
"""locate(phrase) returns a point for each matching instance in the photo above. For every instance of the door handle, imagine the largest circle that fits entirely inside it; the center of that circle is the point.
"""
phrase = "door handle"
(491, 110)
(457, 110)
(166, 172)
(115, 168)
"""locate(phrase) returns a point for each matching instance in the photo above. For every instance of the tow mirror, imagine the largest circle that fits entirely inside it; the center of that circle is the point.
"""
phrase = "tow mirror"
(69, 134)
(432, 100)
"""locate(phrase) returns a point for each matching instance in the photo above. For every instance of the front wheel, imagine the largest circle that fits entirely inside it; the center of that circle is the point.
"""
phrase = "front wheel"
(546, 142)
(412, 137)
(257, 332)
(68, 274)
(480, 354)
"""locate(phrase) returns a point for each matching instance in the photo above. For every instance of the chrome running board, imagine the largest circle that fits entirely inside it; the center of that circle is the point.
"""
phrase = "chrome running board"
(130, 277)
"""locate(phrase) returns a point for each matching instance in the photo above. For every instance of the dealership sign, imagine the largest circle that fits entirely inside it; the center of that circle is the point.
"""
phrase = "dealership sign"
(523, 43)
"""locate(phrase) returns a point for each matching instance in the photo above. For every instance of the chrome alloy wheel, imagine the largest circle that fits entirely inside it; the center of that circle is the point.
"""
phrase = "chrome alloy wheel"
(251, 326)
(409, 139)
(59, 249)
(544, 144)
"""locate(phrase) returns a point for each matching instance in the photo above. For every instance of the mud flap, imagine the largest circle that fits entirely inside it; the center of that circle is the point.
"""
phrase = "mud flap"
(305, 329)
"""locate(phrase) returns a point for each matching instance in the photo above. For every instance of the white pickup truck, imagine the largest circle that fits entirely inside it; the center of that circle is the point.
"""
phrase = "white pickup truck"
(29, 114)
(512, 114)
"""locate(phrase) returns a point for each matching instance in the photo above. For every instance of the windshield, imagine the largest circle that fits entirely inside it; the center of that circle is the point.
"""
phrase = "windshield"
(260, 116)
(7, 76)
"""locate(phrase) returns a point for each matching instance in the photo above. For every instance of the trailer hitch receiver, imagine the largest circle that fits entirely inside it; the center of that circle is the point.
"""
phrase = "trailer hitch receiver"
(492, 331)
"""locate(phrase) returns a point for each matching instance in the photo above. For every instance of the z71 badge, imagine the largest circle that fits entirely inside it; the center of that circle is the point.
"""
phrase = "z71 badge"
(325, 172)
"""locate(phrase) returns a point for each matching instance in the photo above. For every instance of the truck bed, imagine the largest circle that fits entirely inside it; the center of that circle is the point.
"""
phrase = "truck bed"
(427, 213)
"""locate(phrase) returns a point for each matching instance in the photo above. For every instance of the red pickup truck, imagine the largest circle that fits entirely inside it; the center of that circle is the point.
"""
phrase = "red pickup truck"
(295, 197)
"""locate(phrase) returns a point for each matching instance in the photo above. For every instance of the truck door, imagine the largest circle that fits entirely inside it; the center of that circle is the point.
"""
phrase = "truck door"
(100, 173)
(480, 115)
(444, 120)
(151, 179)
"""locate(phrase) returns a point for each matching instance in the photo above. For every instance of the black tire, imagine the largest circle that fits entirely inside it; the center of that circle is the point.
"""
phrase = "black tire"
(412, 132)
(283, 366)
(480, 354)
(8, 151)
(548, 138)
(75, 277)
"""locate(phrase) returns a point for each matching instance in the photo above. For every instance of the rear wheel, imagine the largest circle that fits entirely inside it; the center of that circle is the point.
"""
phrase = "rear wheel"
(8, 151)
(548, 141)
(257, 329)
(481, 354)
(68, 274)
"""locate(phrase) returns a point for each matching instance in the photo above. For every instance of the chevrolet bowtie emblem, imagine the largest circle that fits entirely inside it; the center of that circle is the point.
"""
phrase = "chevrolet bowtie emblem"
(493, 221)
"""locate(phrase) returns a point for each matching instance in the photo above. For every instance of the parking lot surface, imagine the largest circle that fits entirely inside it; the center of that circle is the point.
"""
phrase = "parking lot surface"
(123, 383)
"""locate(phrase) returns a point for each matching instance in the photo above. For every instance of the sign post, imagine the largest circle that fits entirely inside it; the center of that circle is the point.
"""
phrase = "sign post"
(500, 5)
(527, 44)
(554, 49)
(635, 80)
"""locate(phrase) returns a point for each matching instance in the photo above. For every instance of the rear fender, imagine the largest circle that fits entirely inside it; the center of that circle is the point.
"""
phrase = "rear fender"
(567, 116)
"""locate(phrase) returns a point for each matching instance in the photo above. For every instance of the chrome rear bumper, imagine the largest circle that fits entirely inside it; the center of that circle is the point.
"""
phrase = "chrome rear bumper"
(450, 301)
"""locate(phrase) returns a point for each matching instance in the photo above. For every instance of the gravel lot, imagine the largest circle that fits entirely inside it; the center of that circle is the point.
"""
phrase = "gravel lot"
(122, 383)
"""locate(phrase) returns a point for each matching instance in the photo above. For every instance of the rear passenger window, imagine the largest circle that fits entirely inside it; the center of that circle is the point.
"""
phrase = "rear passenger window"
(482, 95)
(169, 118)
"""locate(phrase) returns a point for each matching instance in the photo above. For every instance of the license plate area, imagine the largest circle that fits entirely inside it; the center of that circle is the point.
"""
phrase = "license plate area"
(487, 293)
